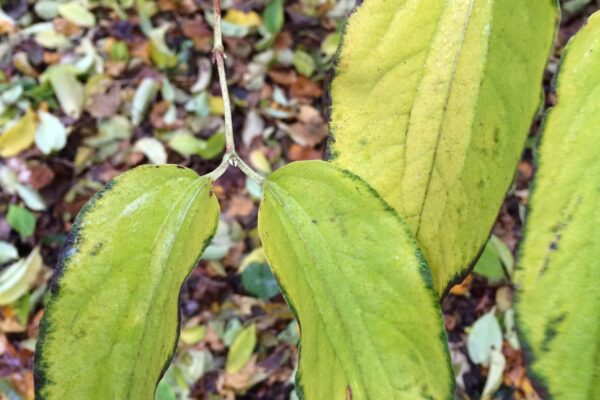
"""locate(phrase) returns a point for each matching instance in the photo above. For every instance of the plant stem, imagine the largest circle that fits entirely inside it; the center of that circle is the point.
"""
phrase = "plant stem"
(231, 157)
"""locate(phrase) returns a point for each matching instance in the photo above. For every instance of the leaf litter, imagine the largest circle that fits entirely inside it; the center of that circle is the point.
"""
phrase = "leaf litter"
(91, 89)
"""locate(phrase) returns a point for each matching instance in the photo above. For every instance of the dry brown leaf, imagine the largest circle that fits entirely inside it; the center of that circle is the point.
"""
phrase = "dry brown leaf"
(104, 105)
(304, 87)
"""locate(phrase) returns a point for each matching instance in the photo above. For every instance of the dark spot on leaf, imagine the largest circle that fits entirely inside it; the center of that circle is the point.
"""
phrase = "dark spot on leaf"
(551, 330)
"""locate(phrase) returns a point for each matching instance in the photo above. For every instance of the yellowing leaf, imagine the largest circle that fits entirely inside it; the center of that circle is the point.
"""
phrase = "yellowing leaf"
(216, 105)
(356, 281)
(432, 103)
(247, 19)
(241, 349)
(111, 324)
(558, 306)
(18, 137)
(160, 53)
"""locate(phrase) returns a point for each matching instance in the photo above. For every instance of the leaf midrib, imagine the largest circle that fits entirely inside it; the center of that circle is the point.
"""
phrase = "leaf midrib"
(444, 116)
(273, 189)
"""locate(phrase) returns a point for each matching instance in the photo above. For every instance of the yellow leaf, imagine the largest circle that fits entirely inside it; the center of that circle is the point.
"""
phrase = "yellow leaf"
(249, 19)
(215, 103)
(241, 349)
(19, 136)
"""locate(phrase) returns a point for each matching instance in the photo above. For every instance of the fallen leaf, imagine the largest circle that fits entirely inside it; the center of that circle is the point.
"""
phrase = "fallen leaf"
(19, 136)
(304, 87)
(8, 252)
(144, 95)
(152, 149)
(21, 220)
(105, 105)
(76, 13)
(246, 19)
(160, 53)
(484, 337)
(312, 128)
(51, 134)
(68, 89)
(17, 279)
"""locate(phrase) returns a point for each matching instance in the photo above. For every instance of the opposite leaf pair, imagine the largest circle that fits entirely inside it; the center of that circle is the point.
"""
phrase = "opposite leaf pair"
(331, 241)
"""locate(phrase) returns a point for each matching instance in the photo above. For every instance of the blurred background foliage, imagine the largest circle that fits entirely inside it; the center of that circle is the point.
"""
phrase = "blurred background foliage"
(90, 89)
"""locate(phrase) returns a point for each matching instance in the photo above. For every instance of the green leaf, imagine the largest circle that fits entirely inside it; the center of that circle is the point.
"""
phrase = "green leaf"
(241, 350)
(558, 305)
(119, 51)
(489, 264)
(187, 145)
(110, 327)
(21, 220)
(258, 280)
(273, 16)
(304, 63)
(355, 279)
(495, 261)
(214, 146)
(432, 104)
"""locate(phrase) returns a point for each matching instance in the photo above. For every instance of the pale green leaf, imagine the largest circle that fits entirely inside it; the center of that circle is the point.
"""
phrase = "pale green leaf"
(30, 197)
(186, 144)
(220, 244)
(153, 149)
(484, 337)
(304, 63)
(69, 91)
(46, 9)
(52, 39)
(144, 95)
(495, 374)
(77, 14)
(111, 324)
(17, 279)
(51, 134)
(241, 349)
(558, 306)
(8, 252)
(432, 104)
(355, 279)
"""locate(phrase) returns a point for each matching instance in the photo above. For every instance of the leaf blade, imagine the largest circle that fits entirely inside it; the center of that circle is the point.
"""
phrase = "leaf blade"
(346, 293)
(114, 304)
(557, 307)
(436, 124)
